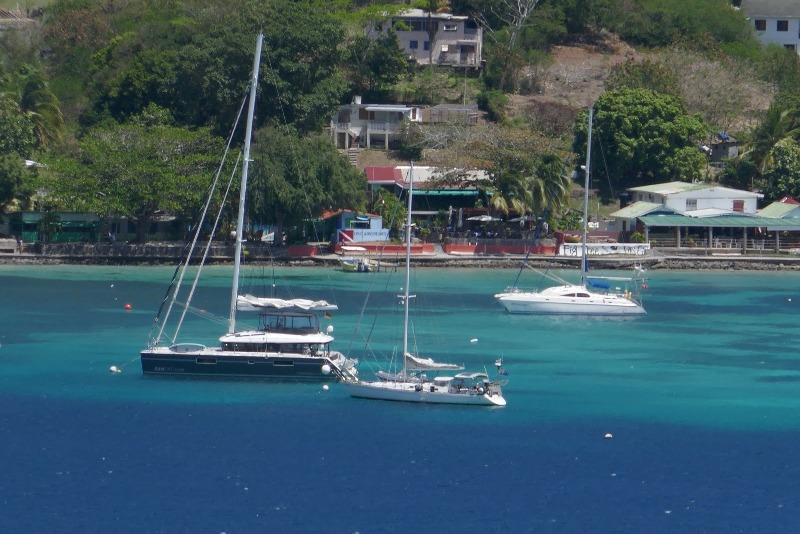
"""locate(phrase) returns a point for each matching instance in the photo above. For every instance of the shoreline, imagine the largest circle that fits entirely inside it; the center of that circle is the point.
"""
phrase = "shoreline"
(675, 262)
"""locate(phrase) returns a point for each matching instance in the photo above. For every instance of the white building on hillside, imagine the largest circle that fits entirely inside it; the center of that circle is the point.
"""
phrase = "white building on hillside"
(457, 40)
(365, 125)
(775, 21)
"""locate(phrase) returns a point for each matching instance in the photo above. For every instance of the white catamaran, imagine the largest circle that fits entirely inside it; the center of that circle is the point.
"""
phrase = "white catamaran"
(593, 296)
(288, 343)
(411, 384)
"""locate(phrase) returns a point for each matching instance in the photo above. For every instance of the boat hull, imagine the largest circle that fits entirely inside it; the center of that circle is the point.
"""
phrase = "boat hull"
(521, 304)
(408, 393)
(224, 364)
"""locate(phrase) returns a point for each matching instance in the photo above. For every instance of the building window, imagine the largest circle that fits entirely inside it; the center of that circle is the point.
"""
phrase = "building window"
(783, 25)
(450, 27)
(761, 25)
(738, 205)
(790, 47)
(413, 45)
(691, 204)
(426, 45)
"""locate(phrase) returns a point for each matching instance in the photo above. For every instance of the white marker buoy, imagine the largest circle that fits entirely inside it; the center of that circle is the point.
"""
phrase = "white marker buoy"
(114, 369)
(325, 387)
(326, 369)
(608, 435)
(473, 340)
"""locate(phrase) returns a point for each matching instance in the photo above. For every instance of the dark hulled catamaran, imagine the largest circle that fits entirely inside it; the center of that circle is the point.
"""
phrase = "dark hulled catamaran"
(288, 343)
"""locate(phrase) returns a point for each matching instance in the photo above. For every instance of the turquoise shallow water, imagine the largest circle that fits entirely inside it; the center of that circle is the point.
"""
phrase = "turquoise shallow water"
(701, 396)
(715, 349)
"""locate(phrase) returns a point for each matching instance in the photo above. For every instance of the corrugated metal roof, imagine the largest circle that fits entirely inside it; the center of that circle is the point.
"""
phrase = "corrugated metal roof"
(725, 221)
(669, 188)
(778, 210)
(637, 209)
(387, 107)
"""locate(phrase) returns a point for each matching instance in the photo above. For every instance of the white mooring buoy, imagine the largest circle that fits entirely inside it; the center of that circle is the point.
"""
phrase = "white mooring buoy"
(325, 387)
(608, 435)
(114, 369)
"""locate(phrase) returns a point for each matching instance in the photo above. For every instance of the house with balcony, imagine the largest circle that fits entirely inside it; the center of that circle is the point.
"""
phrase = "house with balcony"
(359, 125)
(775, 21)
(457, 39)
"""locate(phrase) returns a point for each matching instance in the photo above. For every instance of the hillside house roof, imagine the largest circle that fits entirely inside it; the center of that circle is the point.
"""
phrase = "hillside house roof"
(771, 8)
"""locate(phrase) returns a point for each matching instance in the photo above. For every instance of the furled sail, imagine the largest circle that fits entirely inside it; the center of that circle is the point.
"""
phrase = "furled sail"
(427, 364)
(252, 303)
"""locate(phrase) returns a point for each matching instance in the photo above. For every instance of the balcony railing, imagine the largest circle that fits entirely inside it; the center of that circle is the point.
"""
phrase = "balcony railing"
(384, 127)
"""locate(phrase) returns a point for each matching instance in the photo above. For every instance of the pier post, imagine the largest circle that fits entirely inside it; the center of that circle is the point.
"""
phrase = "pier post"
(777, 241)
(678, 234)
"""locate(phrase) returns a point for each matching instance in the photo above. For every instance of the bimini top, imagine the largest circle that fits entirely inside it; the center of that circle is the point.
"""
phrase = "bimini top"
(427, 364)
(471, 376)
(252, 303)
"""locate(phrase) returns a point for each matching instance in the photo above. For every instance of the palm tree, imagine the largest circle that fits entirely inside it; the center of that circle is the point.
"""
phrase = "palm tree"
(42, 106)
(781, 122)
(549, 184)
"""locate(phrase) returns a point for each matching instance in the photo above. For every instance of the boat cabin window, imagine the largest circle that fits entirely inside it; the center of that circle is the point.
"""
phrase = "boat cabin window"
(582, 295)
(311, 349)
(290, 323)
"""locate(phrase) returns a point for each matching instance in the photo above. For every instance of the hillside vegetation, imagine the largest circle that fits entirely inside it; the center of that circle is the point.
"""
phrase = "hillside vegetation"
(172, 74)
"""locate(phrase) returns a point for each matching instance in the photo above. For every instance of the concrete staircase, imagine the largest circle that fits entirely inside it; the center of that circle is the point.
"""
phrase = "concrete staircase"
(352, 156)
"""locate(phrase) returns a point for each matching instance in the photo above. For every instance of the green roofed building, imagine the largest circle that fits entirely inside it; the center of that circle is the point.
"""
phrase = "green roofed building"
(54, 227)
(709, 215)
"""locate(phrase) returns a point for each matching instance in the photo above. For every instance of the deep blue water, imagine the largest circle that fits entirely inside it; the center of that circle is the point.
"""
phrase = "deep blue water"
(702, 398)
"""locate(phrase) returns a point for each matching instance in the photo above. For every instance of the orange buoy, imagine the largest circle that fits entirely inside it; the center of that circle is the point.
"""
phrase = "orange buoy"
(128, 307)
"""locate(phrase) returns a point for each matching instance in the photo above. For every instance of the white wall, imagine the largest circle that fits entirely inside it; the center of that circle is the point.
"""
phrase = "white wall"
(772, 36)
(711, 198)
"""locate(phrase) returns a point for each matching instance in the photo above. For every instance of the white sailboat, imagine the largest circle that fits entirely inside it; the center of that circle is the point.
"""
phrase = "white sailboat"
(288, 343)
(411, 385)
(593, 296)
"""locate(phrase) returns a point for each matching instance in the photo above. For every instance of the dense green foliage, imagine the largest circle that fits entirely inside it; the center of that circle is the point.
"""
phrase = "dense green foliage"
(17, 129)
(137, 170)
(12, 179)
(296, 178)
(125, 100)
(783, 177)
(641, 137)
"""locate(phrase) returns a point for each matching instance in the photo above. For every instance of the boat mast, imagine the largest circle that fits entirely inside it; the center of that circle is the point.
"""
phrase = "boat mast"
(585, 252)
(237, 260)
(406, 296)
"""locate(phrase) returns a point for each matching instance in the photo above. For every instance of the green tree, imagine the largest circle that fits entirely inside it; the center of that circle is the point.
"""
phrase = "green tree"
(12, 178)
(391, 209)
(202, 72)
(17, 129)
(295, 178)
(640, 137)
(783, 178)
(137, 171)
(375, 64)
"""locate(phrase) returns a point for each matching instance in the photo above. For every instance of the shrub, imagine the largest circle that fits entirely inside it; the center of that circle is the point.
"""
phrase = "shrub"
(494, 103)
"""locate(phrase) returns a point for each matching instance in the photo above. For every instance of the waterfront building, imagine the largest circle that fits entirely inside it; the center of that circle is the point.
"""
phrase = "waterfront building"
(681, 214)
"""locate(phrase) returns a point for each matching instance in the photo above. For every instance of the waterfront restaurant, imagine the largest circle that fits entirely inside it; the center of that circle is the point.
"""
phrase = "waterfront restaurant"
(680, 214)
